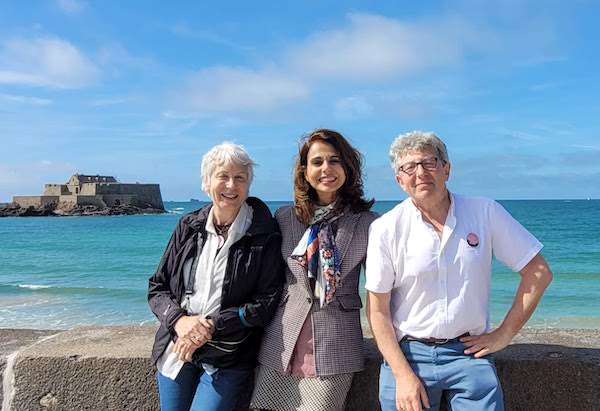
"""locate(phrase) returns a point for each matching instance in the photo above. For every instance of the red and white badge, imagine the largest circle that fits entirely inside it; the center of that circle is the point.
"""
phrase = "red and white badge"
(472, 239)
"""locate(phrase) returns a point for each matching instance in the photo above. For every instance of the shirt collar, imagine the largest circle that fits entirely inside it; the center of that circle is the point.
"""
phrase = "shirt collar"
(450, 218)
(240, 224)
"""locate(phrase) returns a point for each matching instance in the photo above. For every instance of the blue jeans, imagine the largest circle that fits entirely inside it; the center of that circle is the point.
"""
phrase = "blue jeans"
(463, 381)
(194, 389)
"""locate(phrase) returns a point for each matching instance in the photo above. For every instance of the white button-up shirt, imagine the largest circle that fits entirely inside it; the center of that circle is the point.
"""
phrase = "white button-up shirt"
(440, 286)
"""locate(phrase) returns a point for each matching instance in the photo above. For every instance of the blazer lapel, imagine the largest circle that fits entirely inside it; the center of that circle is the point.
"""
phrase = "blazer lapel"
(345, 231)
(297, 230)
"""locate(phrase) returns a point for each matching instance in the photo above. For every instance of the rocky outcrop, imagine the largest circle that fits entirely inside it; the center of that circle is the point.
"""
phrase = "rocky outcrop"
(49, 210)
(14, 210)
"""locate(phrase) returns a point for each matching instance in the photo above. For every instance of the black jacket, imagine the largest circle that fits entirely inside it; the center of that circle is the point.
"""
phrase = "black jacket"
(253, 282)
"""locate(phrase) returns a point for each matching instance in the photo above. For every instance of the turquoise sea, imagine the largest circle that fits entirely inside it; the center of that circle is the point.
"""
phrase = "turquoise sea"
(57, 273)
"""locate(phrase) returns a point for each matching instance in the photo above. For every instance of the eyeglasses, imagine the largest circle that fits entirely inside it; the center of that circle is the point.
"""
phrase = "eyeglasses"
(429, 164)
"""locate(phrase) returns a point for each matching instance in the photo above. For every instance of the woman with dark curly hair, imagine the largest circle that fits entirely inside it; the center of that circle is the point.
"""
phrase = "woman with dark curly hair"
(314, 343)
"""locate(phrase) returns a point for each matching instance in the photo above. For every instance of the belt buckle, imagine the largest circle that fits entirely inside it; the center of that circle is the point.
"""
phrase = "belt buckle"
(443, 341)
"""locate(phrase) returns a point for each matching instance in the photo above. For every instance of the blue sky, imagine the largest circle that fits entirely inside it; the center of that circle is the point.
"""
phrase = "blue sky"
(141, 89)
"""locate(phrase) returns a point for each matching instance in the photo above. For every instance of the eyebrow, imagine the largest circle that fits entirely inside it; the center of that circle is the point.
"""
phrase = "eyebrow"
(326, 156)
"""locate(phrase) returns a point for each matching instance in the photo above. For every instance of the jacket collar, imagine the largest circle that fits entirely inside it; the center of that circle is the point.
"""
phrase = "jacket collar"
(262, 220)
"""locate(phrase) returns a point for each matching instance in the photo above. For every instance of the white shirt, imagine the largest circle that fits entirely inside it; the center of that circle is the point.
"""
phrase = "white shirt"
(208, 281)
(440, 287)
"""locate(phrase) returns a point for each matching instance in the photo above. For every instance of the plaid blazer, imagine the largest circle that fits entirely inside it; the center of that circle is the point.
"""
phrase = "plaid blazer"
(337, 333)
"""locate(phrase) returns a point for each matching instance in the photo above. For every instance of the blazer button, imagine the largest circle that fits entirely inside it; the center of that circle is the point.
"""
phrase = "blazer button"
(309, 299)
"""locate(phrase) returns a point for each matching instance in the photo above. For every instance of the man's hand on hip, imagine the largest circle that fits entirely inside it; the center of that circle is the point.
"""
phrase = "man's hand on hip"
(485, 344)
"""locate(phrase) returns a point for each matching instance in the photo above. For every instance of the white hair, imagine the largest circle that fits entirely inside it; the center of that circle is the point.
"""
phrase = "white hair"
(221, 154)
(417, 141)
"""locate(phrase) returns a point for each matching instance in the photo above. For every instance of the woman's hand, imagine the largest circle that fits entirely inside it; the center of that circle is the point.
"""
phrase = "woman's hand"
(196, 328)
(192, 333)
(184, 348)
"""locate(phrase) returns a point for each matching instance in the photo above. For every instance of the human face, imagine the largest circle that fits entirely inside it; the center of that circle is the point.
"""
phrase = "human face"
(424, 185)
(228, 188)
(324, 171)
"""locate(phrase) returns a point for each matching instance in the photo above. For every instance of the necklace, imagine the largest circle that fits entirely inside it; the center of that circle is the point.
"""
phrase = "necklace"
(222, 229)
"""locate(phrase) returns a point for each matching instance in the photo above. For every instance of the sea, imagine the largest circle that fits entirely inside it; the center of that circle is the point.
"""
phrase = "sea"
(63, 272)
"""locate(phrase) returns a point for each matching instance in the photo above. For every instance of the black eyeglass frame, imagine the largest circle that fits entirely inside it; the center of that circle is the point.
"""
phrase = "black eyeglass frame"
(422, 164)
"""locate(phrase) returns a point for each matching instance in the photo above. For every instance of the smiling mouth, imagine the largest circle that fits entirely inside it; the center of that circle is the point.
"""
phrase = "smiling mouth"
(327, 179)
(229, 196)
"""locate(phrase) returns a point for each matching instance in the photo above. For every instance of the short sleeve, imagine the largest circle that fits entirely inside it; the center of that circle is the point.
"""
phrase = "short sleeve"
(379, 270)
(512, 244)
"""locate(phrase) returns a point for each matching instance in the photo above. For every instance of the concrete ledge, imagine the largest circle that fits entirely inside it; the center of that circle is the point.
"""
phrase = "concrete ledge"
(108, 368)
(11, 341)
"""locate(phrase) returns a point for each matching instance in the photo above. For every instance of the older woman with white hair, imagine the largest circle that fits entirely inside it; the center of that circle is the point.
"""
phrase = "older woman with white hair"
(216, 287)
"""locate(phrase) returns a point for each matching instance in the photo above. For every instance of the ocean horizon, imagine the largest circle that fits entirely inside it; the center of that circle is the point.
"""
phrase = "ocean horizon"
(58, 273)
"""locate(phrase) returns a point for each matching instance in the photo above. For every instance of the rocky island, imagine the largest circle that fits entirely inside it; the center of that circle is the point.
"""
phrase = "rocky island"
(88, 195)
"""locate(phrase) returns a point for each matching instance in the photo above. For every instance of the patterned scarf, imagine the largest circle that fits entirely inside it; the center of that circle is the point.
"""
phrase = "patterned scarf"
(318, 253)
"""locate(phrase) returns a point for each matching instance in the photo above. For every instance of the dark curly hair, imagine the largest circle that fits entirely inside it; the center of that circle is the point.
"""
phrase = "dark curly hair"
(349, 195)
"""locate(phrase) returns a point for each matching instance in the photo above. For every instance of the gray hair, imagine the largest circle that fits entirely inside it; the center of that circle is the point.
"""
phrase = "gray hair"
(416, 141)
(225, 153)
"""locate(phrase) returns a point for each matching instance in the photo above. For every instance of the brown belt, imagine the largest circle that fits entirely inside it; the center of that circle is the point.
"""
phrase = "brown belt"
(433, 340)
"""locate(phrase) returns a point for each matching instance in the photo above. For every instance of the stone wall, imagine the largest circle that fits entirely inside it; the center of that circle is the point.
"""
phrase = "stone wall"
(98, 194)
(108, 368)
(55, 189)
(90, 200)
(35, 201)
(88, 189)
(146, 193)
(112, 200)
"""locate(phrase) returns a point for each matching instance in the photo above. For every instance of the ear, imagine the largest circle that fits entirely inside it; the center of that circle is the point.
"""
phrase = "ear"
(447, 170)
(399, 181)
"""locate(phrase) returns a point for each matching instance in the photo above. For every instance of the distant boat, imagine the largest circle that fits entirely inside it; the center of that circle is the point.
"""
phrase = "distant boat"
(194, 200)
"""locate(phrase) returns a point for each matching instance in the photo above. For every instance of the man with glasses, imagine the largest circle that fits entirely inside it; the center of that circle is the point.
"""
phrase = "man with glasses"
(428, 280)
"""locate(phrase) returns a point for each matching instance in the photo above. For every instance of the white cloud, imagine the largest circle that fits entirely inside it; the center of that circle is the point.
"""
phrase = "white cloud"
(113, 57)
(101, 102)
(555, 128)
(521, 135)
(182, 29)
(45, 62)
(34, 101)
(368, 49)
(376, 47)
(223, 89)
(71, 6)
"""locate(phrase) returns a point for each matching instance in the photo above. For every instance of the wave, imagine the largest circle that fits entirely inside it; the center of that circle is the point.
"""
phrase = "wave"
(51, 290)
(33, 286)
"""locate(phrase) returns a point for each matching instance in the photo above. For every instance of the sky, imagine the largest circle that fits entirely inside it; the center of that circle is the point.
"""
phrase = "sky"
(142, 89)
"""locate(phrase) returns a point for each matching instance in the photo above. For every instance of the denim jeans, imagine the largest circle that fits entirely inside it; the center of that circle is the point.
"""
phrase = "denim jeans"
(194, 389)
(462, 381)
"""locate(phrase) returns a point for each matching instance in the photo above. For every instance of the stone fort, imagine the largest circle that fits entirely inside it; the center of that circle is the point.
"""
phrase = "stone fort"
(100, 191)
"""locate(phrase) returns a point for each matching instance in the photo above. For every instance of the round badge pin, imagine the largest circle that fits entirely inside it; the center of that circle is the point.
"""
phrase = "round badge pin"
(472, 239)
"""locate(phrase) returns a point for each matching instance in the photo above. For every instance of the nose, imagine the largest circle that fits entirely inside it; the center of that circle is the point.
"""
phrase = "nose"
(230, 182)
(420, 169)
